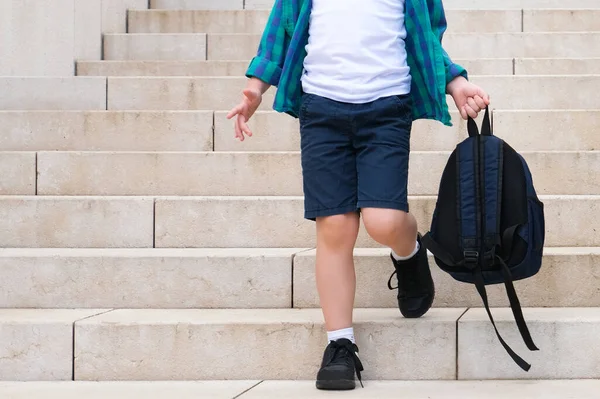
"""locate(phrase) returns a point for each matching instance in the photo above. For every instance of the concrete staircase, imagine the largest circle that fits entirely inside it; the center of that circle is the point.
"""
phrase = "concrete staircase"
(145, 248)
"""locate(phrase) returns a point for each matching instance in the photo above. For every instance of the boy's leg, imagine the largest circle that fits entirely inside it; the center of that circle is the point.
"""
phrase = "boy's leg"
(330, 198)
(336, 279)
(383, 149)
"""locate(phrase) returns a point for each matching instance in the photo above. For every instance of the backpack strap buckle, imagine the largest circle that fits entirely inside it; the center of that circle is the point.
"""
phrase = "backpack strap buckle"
(471, 259)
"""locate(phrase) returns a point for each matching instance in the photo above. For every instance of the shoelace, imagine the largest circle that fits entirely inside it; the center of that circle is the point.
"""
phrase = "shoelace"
(408, 278)
(355, 359)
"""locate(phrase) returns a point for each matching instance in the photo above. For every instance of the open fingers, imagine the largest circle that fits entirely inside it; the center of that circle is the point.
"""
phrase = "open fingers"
(244, 126)
(238, 130)
(235, 111)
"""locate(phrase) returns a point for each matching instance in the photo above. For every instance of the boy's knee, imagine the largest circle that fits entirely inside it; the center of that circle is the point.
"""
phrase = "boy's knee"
(386, 226)
(338, 230)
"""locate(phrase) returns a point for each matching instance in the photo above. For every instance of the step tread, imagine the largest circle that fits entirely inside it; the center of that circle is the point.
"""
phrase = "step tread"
(258, 316)
(558, 389)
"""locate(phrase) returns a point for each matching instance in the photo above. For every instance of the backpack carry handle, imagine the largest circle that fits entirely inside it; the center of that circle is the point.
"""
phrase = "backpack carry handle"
(486, 127)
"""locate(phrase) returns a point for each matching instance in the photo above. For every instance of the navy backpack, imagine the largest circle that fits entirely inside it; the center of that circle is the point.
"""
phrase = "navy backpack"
(488, 225)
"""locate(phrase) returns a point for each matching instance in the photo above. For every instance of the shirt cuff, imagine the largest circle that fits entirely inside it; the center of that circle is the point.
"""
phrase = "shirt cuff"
(265, 70)
(455, 70)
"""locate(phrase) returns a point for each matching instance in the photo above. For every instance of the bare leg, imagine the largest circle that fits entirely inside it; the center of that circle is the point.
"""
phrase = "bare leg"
(336, 279)
(392, 228)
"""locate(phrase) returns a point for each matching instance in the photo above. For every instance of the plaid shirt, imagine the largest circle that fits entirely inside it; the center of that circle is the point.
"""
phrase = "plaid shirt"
(281, 53)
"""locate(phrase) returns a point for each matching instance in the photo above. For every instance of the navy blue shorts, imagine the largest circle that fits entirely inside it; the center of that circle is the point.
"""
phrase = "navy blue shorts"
(354, 156)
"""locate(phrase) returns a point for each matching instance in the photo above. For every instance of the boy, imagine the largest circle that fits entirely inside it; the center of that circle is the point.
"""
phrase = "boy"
(357, 73)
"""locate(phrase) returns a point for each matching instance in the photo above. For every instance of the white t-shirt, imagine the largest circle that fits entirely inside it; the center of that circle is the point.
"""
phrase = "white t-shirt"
(356, 51)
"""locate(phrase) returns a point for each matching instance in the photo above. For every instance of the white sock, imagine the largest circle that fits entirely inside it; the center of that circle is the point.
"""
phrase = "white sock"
(347, 333)
(398, 257)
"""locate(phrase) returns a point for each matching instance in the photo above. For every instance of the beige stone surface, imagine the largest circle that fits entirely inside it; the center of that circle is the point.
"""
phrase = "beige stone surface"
(114, 14)
(569, 278)
(557, 66)
(227, 47)
(544, 130)
(484, 21)
(52, 93)
(75, 222)
(198, 21)
(197, 4)
(530, 45)
(125, 389)
(477, 4)
(140, 47)
(37, 39)
(183, 173)
(272, 131)
(178, 93)
(487, 66)
(265, 173)
(146, 278)
(162, 68)
(171, 344)
(561, 20)
(17, 173)
(37, 345)
(582, 389)
(88, 30)
(566, 338)
(278, 221)
(106, 130)
(542, 92)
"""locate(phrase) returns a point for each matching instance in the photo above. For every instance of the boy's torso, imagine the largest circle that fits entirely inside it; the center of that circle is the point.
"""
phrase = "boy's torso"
(356, 51)
(425, 56)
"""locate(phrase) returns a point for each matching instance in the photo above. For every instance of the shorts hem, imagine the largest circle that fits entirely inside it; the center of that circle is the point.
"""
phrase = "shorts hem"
(342, 210)
(400, 206)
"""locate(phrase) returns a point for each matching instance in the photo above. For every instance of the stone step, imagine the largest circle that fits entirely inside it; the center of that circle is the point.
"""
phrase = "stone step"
(448, 4)
(523, 130)
(566, 338)
(142, 47)
(569, 278)
(128, 390)
(222, 93)
(198, 4)
(263, 173)
(193, 131)
(184, 222)
(192, 68)
(37, 345)
(559, 389)
(466, 45)
(561, 20)
(96, 222)
(178, 93)
(254, 278)
(556, 66)
(502, 66)
(142, 345)
(146, 278)
(254, 21)
(17, 173)
(51, 93)
(106, 130)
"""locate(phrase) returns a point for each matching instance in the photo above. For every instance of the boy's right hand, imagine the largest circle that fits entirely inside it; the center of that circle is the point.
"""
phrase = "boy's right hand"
(252, 97)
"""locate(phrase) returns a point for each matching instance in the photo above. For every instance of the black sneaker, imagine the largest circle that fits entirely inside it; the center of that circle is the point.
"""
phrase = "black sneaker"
(340, 362)
(415, 285)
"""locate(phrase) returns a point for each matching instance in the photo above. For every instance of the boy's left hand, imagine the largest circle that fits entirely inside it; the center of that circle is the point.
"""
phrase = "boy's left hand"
(469, 98)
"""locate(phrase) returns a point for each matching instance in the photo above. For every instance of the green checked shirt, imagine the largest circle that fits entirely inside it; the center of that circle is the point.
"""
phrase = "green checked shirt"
(281, 53)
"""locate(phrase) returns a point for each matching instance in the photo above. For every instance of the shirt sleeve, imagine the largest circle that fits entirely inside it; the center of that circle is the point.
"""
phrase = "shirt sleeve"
(268, 62)
(439, 25)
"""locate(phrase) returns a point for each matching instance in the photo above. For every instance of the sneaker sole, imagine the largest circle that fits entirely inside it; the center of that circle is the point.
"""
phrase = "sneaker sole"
(421, 313)
(336, 385)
